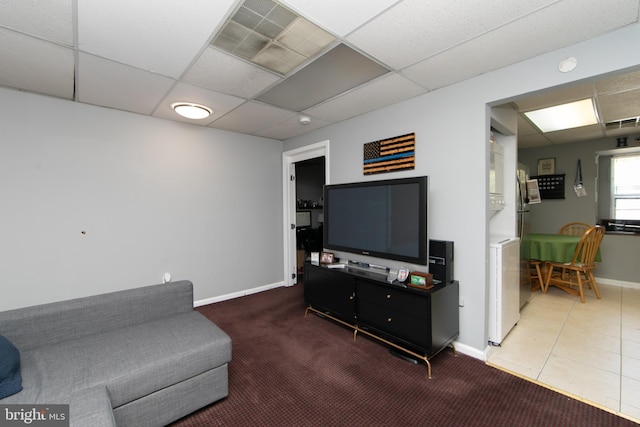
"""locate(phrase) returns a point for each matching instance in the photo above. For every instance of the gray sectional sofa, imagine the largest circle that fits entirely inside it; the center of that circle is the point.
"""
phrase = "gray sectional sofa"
(139, 357)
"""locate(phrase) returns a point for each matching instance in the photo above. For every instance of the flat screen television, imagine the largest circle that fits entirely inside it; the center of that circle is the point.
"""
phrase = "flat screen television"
(384, 219)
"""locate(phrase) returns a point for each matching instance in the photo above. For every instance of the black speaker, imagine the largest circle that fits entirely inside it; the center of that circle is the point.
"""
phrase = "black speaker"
(441, 260)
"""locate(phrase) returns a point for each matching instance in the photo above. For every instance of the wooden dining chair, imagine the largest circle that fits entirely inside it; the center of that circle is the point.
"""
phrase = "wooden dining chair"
(574, 229)
(579, 271)
(535, 274)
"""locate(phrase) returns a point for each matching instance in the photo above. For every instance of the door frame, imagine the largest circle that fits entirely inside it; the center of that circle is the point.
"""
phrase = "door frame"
(289, 158)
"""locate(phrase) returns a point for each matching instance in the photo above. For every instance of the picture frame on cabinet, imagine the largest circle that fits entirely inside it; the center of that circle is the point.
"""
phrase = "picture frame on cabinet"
(326, 258)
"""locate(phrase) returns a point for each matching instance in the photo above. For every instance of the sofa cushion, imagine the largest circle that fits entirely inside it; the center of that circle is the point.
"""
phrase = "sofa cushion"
(131, 362)
(10, 378)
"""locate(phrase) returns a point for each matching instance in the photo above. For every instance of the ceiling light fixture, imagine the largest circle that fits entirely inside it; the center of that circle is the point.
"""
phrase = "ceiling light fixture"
(191, 110)
(565, 116)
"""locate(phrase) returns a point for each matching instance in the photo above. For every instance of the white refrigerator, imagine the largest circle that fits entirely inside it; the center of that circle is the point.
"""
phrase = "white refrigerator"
(504, 280)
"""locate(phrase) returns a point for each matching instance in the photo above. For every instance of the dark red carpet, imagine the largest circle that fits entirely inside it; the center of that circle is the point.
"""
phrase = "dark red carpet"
(291, 370)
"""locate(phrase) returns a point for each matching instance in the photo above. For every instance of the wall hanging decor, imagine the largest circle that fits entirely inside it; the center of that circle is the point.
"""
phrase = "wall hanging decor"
(547, 166)
(551, 186)
(390, 155)
(578, 186)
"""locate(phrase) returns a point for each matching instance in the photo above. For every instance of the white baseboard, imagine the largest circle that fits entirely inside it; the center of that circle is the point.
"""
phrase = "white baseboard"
(469, 351)
(237, 294)
(621, 283)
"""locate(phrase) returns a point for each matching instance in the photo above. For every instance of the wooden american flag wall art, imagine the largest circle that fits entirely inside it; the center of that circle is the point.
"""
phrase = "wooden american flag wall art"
(390, 155)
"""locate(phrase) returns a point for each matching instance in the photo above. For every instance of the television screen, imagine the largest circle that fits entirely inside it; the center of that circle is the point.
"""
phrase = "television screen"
(385, 219)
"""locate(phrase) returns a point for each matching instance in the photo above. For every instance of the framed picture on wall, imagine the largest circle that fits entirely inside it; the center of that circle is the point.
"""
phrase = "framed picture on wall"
(547, 166)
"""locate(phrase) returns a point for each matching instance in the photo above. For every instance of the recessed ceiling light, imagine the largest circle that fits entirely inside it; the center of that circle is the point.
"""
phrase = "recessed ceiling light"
(565, 116)
(191, 110)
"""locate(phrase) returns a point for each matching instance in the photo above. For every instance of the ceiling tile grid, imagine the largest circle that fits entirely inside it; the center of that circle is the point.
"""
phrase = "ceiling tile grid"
(162, 36)
(252, 117)
(143, 55)
(223, 73)
(386, 90)
(114, 85)
(290, 128)
(338, 16)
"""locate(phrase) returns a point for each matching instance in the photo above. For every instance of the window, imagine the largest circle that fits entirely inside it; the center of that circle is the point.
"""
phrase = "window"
(618, 190)
(625, 186)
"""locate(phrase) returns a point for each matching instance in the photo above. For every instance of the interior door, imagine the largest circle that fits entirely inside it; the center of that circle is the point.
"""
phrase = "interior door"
(293, 263)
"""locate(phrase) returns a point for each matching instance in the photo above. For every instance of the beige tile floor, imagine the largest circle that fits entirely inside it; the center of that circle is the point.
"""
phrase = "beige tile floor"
(590, 351)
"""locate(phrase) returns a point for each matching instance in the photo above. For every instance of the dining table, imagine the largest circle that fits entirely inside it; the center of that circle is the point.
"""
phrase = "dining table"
(550, 248)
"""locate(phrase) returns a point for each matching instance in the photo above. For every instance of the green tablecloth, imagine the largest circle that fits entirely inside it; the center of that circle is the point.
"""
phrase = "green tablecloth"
(550, 247)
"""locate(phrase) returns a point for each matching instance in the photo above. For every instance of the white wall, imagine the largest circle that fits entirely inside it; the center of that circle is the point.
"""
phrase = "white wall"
(452, 127)
(152, 196)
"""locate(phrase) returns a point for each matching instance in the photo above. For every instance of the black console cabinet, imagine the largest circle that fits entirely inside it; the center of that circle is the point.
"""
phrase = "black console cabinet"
(415, 321)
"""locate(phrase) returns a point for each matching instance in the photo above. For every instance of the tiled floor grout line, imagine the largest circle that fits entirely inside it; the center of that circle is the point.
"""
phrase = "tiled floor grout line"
(555, 341)
(621, 355)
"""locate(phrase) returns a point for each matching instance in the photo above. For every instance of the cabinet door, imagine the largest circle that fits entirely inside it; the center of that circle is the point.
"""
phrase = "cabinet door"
(330, 290)
(395, 312)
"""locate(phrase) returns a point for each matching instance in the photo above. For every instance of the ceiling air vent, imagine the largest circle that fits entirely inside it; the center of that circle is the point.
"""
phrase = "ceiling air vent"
(272, 36)
(631, 122)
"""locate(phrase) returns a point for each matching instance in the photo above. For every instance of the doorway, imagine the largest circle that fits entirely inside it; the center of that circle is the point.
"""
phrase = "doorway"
(310, 180)
(291, 159)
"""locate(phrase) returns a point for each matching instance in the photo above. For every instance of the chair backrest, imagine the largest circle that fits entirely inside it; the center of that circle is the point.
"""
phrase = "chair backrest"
(587, 248)
(574, 229)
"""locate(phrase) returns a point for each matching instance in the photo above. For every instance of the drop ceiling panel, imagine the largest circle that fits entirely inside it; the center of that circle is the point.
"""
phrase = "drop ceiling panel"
(545, 30)
(222, 72)
(252, 117)
(51, 19)
(386, 90)
(619, 106)
(532, 141)
(109, 84)
(219, 102)
(422, 29)
(584, 133)
(161, 36)
(336, 71)
(25, 59)
(339, 16)
(290, 128)
(623, 132)
(617, 83)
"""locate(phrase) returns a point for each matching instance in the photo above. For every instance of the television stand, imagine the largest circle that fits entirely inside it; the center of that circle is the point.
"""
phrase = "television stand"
(416, 323)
